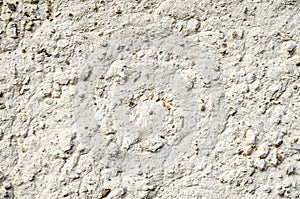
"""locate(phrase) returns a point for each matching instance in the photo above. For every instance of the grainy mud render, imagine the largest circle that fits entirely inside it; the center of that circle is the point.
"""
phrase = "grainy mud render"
(149, 99)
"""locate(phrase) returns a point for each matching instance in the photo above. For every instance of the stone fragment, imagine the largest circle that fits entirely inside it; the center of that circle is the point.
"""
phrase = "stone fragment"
(26, 80)
(24, 88)
(193, 25)
(231, 111)
(291, 46)
(248, 150)
(62, 43)
(105, 193)
(268, 190)
(261, 165)
(40, 57)
(103, 43)
(117, 10)
(106, 130)
(29, 26)
(22, 117)
(251, 171)
(11, 30)
(263, 153)
(278, 142)
(140, 54)
(2, 106)
(12, 7)
(290, 170)
(7, 186)
(287, 184)
(57, 87)
(56, 94)
(251, 137)
(281, 192)
(152, 145)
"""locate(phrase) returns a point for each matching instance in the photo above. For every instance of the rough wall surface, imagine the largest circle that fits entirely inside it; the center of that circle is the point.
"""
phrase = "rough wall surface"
(149, 99)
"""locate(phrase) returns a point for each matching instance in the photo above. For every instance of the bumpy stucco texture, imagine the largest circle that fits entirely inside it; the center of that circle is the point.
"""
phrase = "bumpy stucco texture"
(149, 99)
